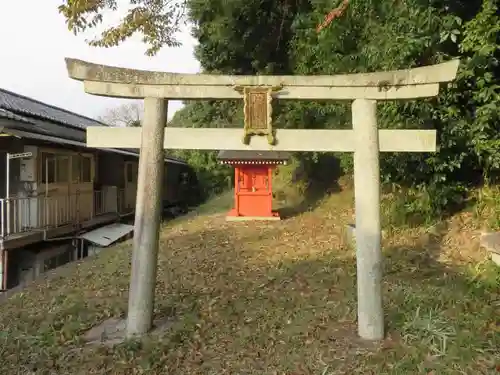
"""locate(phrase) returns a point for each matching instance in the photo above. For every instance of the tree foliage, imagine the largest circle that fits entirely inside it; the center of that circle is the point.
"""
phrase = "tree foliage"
(235, 37)
(157, 21)
(282, 37)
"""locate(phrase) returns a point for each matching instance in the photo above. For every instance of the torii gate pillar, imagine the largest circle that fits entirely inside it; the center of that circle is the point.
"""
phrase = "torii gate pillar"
(368, 227)
(365, 140)
(147, 218)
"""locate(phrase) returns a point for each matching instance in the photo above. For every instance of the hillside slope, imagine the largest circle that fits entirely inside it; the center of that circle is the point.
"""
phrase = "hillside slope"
(269, 298)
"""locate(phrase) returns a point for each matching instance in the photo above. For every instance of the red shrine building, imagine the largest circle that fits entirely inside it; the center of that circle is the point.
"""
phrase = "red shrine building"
(253, 188)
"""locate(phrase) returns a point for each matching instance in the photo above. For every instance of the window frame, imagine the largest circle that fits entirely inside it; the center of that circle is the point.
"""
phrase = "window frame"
(58, 154)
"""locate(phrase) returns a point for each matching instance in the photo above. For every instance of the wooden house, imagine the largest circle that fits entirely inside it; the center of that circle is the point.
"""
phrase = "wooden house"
(53, 187)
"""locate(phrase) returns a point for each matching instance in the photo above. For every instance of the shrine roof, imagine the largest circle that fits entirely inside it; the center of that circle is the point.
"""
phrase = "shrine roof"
(248, 155)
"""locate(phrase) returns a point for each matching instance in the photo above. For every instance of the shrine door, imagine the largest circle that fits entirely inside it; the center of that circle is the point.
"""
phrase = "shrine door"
(254, 194)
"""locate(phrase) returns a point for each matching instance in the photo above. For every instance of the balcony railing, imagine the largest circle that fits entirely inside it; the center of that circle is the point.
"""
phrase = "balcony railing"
(27, 214)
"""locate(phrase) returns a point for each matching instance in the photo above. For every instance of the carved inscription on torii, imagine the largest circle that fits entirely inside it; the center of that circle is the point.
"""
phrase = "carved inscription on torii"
(258, 111)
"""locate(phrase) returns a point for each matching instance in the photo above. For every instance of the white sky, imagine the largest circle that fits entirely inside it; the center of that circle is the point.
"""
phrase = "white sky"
(34, 41)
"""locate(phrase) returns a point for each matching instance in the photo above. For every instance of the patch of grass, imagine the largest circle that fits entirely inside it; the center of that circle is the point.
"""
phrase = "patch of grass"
(268, 298)
(218, 204)
(487, 207)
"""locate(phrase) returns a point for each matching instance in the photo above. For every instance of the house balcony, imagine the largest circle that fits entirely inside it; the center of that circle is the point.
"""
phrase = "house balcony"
(26, 220)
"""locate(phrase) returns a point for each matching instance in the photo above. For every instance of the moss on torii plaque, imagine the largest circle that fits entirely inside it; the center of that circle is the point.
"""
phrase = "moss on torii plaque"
(258, 111)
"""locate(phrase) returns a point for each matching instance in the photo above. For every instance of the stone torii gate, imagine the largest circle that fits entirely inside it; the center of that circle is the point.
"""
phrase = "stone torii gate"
(365, 140)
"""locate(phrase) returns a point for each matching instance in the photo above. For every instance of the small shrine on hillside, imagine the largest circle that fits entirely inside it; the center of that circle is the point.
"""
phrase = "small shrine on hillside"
(253, 192)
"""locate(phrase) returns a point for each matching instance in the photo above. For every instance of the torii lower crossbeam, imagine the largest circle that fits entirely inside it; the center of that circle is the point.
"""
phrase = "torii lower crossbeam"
(288, 139)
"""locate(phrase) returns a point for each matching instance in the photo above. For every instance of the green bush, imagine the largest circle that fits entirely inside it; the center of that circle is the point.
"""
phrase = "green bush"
(279, 37)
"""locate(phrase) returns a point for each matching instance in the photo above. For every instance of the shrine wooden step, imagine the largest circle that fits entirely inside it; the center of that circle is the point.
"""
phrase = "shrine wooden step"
(252, 218)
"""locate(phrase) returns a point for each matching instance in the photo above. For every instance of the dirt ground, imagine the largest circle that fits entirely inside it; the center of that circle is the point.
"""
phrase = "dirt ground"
(268, 298)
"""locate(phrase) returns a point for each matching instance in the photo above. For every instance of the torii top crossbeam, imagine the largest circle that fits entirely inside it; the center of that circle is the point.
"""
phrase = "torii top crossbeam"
(131, 83)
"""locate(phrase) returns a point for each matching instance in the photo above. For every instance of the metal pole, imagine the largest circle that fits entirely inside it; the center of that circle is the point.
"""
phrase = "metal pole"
(367, 206)
(147, 218)
(2, 286)
(2, 212)
(46, 191)
(7, 175)
(7, 190)
(5, 259)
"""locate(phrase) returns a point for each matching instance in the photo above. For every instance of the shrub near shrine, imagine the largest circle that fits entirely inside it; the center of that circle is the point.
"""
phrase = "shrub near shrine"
(365, 140)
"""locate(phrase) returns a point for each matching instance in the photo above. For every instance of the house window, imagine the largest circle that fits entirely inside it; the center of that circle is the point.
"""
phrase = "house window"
(54, 168)
(48, 168)
(62, 169)
(75, 168)
(86, 169)
(81, 168)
